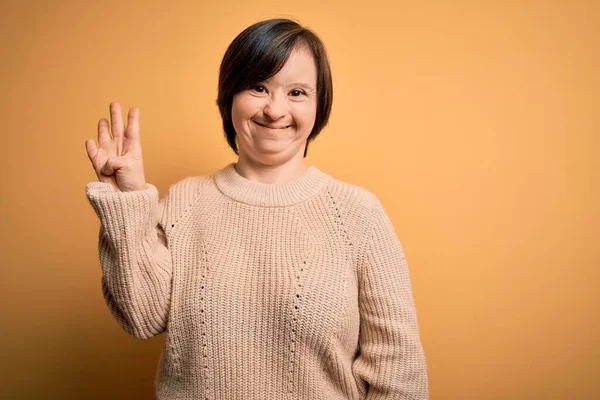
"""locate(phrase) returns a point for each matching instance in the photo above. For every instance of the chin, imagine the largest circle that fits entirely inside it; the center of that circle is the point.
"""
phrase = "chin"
(270, 156)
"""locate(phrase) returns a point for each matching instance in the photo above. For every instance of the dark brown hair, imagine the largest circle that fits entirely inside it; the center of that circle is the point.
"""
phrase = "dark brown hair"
(258, 53)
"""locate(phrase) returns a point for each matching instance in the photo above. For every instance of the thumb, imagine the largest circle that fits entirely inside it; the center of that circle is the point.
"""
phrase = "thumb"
(91, 149)
(112, 165)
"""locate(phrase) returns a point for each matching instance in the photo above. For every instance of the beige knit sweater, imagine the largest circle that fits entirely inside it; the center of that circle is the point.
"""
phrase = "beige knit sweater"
(265, 291)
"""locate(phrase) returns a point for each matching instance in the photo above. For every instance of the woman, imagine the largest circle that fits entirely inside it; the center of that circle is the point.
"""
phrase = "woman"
(271, 279)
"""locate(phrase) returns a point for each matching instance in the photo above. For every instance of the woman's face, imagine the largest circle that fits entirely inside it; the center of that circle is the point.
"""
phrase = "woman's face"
(273, 119)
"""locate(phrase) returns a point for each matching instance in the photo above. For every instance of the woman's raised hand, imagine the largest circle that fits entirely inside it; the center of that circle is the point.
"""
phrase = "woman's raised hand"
(118, 159)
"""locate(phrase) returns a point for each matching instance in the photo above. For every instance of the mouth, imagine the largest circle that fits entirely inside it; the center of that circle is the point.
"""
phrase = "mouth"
(275, 128)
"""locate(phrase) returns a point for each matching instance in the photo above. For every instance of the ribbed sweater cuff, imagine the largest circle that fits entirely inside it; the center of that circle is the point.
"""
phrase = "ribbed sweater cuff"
(122, 214)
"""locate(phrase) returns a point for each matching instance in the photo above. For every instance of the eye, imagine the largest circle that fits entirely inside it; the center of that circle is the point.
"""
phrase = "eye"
(297, 93)
(258, 88)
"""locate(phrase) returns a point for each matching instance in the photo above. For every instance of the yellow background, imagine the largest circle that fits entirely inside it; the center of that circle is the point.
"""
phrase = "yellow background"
(476, 123)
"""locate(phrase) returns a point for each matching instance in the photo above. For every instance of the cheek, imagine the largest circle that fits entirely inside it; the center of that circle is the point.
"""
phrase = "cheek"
(305, 114)
(243, 108)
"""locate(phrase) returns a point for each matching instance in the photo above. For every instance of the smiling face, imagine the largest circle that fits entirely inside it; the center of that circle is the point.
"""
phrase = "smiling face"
(274, 118)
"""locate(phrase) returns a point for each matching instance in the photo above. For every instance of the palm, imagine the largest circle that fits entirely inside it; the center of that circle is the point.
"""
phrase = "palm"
(118, 158)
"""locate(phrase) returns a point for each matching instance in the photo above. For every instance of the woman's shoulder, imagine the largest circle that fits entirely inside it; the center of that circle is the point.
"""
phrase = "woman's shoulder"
(351, 201)
(355, 205)
(345, 191)
(189, 183)
(195, 181)
(186, 189)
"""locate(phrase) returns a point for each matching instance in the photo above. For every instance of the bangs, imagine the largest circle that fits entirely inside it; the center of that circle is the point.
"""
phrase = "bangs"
(261, 53)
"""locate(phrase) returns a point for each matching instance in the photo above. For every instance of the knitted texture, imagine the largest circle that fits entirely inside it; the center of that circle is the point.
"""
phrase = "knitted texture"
(265, 291)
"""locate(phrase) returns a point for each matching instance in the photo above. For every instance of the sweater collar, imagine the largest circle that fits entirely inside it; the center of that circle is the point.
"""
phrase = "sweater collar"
(247, 191)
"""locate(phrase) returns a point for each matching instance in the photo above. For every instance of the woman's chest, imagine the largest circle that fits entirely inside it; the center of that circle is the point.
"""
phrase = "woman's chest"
(267, 273)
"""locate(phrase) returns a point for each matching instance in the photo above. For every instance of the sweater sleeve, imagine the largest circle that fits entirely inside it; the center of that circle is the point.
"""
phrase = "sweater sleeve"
(134, 257)
(391, 360)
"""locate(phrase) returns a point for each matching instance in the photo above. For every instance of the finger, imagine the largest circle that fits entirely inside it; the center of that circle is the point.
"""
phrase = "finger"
(112, 165)
(91, 148)
(117, 125)
(103, 133)
(116, 119)
(133, 124)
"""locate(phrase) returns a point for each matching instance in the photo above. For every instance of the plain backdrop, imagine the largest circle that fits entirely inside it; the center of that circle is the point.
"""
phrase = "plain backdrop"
(476, 123)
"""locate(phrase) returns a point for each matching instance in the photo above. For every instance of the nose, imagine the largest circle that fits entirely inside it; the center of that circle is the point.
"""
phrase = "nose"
(276, 107)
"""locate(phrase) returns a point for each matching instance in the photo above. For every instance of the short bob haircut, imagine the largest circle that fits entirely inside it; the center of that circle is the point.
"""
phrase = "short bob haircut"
(259, 52)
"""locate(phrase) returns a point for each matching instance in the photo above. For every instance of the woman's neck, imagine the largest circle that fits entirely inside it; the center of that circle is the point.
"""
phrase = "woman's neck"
(274, 174)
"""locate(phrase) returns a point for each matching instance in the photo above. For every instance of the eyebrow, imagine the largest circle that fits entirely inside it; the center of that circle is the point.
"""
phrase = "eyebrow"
(302, 85)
